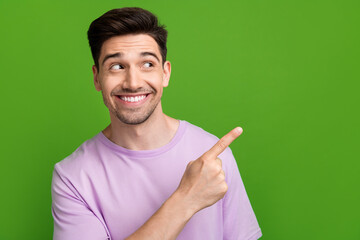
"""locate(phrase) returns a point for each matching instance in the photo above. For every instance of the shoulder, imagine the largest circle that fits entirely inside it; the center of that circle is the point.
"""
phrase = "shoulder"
(82, 159)
(199, 133)
(203, 139)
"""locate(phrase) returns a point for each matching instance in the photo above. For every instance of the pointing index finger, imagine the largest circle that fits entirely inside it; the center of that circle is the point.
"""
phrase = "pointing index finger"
(223, 143)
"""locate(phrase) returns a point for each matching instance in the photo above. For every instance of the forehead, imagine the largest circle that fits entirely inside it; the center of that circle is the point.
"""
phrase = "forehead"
(127, 44)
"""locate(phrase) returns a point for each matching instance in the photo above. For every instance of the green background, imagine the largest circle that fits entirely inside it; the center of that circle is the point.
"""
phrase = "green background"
(286, 71)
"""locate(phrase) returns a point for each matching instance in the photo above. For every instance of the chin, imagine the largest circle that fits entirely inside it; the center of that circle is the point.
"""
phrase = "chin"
(132, 121)
(133, 118)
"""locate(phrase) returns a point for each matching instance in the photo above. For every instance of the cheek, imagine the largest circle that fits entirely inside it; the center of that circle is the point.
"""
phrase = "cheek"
(156, 79)
(108, 85)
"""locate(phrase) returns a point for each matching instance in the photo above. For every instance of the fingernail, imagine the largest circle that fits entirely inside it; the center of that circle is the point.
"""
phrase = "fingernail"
(239, 130)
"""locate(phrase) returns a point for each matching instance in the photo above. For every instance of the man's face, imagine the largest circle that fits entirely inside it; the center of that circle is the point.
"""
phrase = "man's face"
(131, 77)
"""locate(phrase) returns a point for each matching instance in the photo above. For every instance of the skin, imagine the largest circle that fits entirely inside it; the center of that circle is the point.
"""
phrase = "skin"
(143, 125)
(133, 74)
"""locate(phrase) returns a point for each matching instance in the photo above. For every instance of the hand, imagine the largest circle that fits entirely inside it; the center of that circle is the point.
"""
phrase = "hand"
(203, 182)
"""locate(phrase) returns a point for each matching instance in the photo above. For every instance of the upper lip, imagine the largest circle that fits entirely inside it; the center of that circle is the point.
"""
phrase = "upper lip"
(132, 94)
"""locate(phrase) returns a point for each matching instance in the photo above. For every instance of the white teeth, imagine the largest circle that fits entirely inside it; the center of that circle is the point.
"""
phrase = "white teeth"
(133, 99)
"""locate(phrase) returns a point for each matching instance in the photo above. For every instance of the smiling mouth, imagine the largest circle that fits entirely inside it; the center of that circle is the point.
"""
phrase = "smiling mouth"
(132, 99)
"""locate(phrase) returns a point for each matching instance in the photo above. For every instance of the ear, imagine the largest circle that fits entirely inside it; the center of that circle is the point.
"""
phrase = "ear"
(166, 73)
(96, 79)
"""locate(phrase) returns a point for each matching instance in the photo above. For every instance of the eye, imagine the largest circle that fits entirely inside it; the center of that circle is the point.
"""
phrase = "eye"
(148, 64)
(116, 67)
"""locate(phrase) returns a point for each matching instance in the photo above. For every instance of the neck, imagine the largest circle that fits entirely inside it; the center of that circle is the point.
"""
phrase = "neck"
(155, 132)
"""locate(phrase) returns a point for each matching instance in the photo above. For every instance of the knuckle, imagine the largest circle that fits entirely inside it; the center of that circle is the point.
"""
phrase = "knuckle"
(221, 144)
(202, 160)
(219, 161)
(221, 177)
(233, 134)
(225, 187)
(215, 168)
(189, 164)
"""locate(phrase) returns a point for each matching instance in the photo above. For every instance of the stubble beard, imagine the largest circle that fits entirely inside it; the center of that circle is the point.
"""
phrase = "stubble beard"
(131, 117)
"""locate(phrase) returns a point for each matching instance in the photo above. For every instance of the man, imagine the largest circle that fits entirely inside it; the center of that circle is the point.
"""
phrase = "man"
(146, 175)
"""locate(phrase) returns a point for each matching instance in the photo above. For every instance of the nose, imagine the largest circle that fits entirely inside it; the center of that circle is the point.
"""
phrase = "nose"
(132, 79)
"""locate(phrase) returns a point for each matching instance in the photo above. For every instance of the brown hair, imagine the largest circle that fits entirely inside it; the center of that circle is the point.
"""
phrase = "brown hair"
(122, 21)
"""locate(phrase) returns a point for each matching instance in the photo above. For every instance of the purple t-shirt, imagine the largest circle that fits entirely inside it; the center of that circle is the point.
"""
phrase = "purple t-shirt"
(104, 191)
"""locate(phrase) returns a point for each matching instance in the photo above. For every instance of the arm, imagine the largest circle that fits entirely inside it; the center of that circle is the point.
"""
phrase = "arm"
(202, 185)
(73, 219)
(167, 222)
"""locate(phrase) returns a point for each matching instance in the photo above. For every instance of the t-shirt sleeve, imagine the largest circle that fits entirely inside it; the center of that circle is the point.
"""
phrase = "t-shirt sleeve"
(240, 222)
(73, 219)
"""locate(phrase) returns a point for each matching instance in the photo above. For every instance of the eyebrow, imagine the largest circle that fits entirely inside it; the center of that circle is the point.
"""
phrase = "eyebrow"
(117, 55)
(114, 55)
(144, 54)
